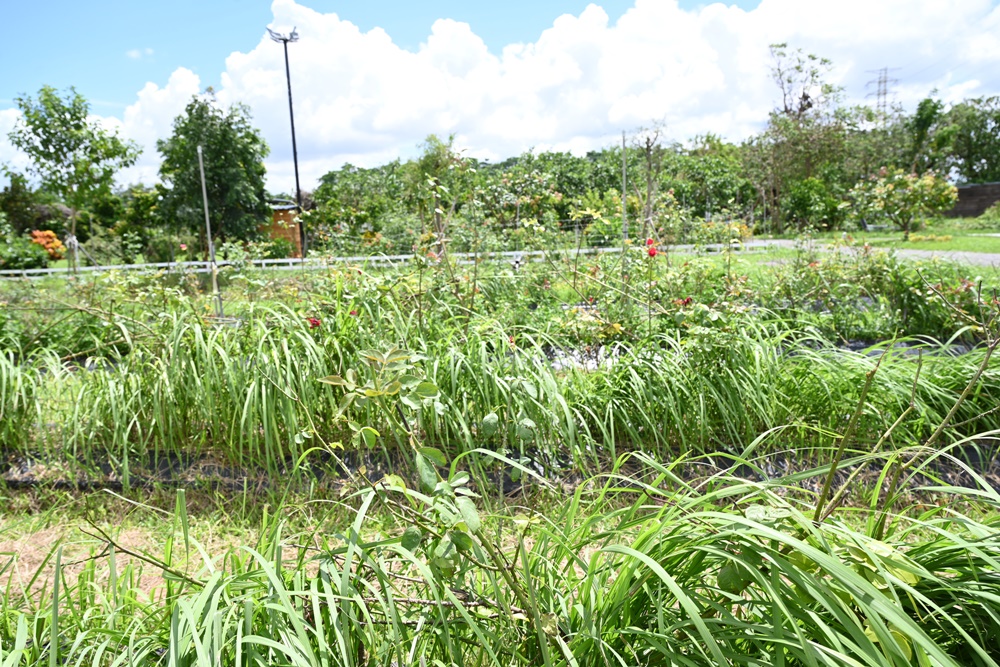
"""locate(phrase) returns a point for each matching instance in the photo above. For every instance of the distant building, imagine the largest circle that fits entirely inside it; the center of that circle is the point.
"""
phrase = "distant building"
(285, 225)
(973, 200)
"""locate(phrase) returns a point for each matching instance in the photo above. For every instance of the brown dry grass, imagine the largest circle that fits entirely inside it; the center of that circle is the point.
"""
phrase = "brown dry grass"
(30, 561)
(27, 558)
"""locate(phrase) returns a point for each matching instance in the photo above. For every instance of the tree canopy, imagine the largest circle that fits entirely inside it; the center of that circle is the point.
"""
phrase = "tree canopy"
(233, 152)
(74, 157)
(974, 134)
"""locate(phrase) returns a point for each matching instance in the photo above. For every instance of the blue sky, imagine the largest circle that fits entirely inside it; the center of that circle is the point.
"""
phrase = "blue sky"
(372, 79)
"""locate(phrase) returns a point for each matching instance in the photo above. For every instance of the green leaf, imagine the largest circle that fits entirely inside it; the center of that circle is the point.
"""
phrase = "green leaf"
(345, 403)
(550, 624)
(733, 578)
(396, 354)
(443, 567)
(409, 381)
(368, 435)
(435, 455)
(469, 513)
(373, 356)
(461, 540)
(491, 423)
(393, 482)
(526, 430)
(426, 389)
(445, 547)
(428, 476)
(335, 380)
(411, 538)
(766, 513)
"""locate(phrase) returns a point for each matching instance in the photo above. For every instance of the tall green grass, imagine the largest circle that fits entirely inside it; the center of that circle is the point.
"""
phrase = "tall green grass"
(249, 395)
(18, 401)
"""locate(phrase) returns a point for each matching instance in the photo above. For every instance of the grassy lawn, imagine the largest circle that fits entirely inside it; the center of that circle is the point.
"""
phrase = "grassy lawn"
(964, 243)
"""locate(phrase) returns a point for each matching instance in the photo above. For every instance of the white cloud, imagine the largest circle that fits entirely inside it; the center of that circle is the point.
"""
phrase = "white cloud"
(9, 155)
(137, 54)
(151, 117)
(361, 98)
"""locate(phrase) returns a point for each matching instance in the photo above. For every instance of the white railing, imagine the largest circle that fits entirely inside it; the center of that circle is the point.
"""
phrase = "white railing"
(318, 263)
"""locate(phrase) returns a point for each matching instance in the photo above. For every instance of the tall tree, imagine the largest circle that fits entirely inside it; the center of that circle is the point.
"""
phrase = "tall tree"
(74, 157)
(233, 152)
(975, 139)
(925, 143)
(802, 134)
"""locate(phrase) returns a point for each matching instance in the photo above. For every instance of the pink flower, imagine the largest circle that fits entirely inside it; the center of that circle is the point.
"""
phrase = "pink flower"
(184, 246)
(354, 313)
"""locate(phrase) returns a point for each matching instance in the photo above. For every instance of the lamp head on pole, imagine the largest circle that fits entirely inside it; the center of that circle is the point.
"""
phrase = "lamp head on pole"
(278, 37)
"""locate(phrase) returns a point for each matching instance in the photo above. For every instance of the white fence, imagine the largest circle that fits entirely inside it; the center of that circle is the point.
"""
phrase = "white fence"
(315, 263)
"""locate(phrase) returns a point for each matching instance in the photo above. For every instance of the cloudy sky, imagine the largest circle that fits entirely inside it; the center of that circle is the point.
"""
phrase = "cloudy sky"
(371, 79)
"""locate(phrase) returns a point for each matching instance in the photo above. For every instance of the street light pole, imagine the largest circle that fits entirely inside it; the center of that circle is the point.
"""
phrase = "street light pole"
(285, 39)
(208, 237)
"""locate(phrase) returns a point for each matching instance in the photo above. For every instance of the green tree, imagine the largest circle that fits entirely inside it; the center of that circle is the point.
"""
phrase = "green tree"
(802, 136)
(927, 142)
(233, 152)
(901, 197)
(358, 199)
(708, 176)
(73, 157)
(974, 133)
(520, 191)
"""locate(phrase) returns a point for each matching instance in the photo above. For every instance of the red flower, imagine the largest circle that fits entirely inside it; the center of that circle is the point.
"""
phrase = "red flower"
(354, 313)
(652, 251)
(649, 242)
(313, 322)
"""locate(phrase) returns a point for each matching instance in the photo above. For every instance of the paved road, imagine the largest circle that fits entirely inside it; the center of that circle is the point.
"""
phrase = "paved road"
(976, 258)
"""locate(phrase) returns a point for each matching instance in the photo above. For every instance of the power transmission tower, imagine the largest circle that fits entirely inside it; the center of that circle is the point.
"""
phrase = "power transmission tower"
(882, 91)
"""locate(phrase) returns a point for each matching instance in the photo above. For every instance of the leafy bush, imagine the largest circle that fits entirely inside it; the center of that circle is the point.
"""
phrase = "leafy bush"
(19, 252)
(900, 198)
(989, 220)
(104, 248)
(278, 249)
(169, 247)
(812, 206)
